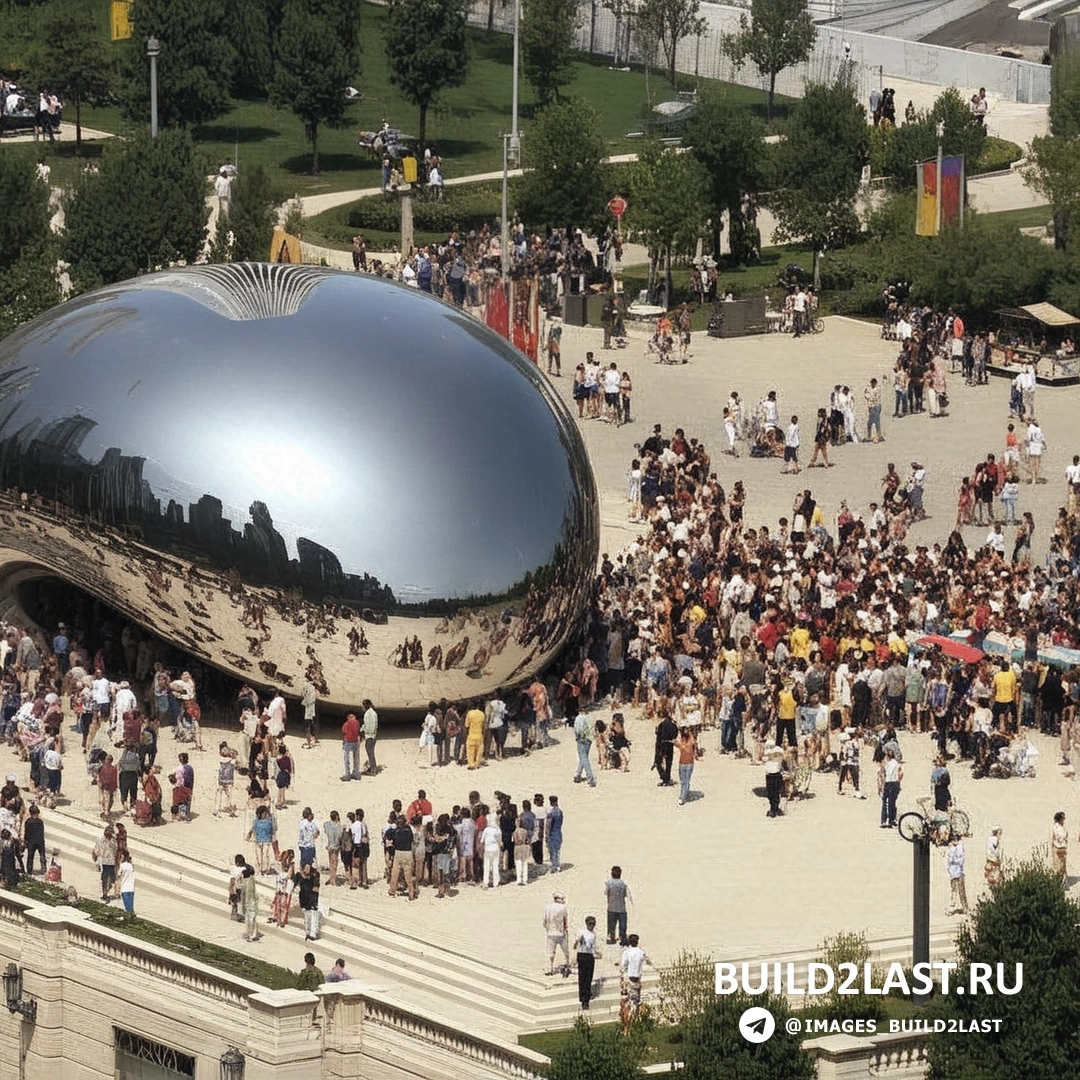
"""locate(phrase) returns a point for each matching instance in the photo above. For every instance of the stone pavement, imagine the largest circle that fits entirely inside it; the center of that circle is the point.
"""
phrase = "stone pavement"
(716, 875)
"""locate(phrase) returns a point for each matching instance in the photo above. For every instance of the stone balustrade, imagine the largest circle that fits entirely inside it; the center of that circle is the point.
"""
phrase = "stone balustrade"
(896, 1056)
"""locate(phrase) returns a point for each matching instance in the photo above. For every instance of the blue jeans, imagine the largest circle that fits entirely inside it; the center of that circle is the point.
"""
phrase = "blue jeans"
(888, 802)
(900, 408)
(685, 772)
(729, 731)
(583, 766)
(129, 902)
(307, 855)
(873, 420)
(554, 851)
(616, 920)
(350, 752)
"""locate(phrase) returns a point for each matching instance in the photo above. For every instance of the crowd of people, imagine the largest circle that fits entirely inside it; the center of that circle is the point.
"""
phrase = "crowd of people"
(19, 107)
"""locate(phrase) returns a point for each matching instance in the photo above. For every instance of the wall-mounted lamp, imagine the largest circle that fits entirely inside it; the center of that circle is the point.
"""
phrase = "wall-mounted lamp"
(232, 1064)
(16, 1003)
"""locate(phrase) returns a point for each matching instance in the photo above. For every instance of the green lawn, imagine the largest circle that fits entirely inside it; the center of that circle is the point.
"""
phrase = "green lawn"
(233, 963)
(664, 1042)
(1027, 218)
(465, 124)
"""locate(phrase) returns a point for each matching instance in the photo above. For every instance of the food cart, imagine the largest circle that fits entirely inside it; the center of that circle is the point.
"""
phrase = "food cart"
(1039, 334)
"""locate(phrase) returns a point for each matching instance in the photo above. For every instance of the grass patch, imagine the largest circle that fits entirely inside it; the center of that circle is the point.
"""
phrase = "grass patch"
(465, 125)
(664, 1042)
(1029, 217)
(997, 154)
(227, 960)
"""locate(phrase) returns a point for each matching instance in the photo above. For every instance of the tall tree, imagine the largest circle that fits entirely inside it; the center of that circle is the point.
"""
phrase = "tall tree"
(195, 67)
(667, 22)
(1028, 919)
(72, 60)
(668, 206)
(143, 209)
(1053, 170)
(566, 180)
(426, 50)
(547, 40)
(727, 140)
(715, 1050)
(819, 167)
(252, 217)
(316, 58)
(253, 26)
(778, 33)
(28, 282)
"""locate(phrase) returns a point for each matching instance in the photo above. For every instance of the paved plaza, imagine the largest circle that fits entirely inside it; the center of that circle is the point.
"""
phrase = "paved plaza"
(716, 874)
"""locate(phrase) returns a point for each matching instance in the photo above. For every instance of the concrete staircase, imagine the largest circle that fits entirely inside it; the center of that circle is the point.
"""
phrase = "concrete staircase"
(443, 979)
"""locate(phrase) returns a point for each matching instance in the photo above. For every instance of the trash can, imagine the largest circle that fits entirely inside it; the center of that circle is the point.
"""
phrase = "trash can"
(576, 310)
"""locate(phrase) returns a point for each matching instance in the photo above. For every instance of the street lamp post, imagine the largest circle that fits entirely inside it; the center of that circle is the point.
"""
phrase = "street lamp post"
(517, 49)
(505, 236)
(917, 831)
(153, 50)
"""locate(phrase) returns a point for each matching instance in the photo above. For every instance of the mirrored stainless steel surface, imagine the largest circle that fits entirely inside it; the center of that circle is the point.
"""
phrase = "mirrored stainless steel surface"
(293, 471)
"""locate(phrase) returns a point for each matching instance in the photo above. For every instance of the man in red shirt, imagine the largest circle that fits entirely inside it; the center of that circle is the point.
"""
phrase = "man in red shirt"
(108, 779)
(420, 805)
(350, 747)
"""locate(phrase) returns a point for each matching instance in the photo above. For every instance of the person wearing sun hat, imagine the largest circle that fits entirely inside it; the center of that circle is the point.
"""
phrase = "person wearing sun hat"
(556, 923)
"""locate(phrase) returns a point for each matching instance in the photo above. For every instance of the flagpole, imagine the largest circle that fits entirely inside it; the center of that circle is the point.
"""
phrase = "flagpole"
(963, 187)
(940, 134)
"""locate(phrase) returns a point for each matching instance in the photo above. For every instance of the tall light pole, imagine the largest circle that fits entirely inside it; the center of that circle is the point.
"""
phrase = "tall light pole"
(505, 237)
(153, 50)
(517, 51)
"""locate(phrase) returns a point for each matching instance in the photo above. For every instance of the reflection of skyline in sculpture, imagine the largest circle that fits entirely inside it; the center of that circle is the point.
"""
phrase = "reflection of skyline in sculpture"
(113, 492)
(341, 479)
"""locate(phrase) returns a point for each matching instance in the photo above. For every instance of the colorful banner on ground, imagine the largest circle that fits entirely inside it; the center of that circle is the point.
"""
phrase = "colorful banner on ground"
(940, 198)
(285, 248)
(120, 19)
(926, 208)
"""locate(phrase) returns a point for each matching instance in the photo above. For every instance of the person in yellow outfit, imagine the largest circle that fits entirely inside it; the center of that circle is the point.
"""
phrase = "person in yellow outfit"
(1005, 696)
(800, 642)
(474, 736)
(786, 706)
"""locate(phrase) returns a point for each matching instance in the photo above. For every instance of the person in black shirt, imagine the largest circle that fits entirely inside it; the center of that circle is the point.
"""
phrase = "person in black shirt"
(666, 734)
(403, 857)
(307, 881)
(34, 838)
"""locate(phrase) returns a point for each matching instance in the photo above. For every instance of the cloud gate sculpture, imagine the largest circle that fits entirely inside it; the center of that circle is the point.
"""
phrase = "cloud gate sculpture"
(295, 473)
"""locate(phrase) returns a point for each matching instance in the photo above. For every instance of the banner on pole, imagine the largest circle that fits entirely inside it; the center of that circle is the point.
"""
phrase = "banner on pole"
(926, 199)
(120, 19)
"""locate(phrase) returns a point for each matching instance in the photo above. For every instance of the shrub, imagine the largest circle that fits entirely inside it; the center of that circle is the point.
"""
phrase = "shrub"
(848, 947)
(997, 154)
(687, 986)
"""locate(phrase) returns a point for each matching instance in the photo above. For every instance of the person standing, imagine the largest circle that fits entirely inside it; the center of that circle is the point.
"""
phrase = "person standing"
(631, 966)
(474, 738)
(307, 701)
(125, 875)
(821, 441)
(1059, 846)
(686, 745)
(666, 734)
(249, 904)
(34, 838)
(556, 925)
(1036, 447)
(774, 763)
(994, 856)
(490, 843)
(616, 897)
(61, 648)
(791, 447)
(586, 953)
(307, 881)
(371, 734)
(583, 739)
(332, 832)
(553, 824)
(893, 773)
(307, 834)
(872, 396)
(350, 747)
(522, 851)
(954, 863)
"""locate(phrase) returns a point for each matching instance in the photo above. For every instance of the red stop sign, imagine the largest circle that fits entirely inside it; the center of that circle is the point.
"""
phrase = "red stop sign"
(617, 206)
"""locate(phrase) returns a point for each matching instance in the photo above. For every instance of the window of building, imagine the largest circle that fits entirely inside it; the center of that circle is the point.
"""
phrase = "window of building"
(138, 1058)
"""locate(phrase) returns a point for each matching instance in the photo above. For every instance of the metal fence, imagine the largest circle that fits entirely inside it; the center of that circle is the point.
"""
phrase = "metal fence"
(872, 58)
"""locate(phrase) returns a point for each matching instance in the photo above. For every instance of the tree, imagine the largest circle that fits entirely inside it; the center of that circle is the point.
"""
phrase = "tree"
(72, 60)
(252, 217)
(896, 150)
(195, 67)
(598, 1054)
(566, 181)
(253, 26)
(547, 41)
(144, 209)
(727, 140)
(28, 282)
(425, 47)
(1027, 919)
(819, 167)
(316, 57)
(25, 199)
(778, 33)
(715, 1050)
(667, 204)
(667, 22)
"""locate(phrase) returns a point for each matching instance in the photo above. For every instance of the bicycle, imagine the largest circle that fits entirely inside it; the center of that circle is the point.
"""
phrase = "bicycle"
(938, 826)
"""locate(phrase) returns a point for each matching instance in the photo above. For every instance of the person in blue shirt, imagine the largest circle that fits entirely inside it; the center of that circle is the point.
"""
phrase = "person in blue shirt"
(554, 823)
